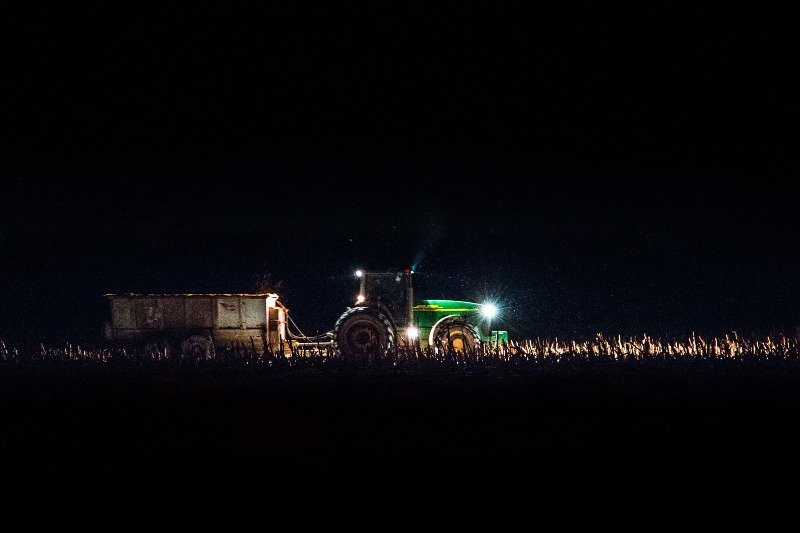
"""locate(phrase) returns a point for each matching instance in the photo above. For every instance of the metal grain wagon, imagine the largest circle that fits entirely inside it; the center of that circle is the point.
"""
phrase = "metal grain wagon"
(197, 324)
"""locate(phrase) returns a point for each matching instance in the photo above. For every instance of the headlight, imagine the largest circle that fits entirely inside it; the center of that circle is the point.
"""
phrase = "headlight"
(412, 332)
(489, 310)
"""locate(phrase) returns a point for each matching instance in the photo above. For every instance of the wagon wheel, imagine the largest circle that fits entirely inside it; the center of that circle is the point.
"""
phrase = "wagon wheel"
(197, 348)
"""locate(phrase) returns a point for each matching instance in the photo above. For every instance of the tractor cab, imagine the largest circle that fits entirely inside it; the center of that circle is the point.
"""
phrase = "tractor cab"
(390, 291)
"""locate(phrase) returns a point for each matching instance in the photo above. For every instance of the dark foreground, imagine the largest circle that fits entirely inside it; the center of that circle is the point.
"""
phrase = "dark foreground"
(632, 445)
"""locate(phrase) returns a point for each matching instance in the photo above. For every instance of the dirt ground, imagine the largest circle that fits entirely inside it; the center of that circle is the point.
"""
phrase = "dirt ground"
(384, 451)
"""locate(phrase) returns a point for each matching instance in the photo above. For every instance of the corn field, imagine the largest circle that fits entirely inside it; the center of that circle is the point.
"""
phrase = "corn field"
(533, 354)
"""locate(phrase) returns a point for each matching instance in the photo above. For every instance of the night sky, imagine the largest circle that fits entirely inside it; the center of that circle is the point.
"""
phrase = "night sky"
(588, 177)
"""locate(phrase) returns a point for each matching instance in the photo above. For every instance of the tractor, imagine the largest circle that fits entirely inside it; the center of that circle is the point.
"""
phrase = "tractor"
(385, 316)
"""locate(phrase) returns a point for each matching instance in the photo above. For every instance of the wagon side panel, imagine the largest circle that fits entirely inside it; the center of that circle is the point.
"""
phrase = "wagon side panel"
(228, 313)
(199, 313)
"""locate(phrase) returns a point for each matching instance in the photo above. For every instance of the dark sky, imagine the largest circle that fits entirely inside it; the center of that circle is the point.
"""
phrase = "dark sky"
(625, 178)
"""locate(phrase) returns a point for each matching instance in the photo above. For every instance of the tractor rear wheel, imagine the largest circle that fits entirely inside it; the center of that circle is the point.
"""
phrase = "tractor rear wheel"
(455, 334)
(363, 331)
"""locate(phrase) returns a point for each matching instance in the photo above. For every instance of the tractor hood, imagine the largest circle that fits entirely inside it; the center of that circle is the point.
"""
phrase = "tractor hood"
(429, 312)
(446, 305)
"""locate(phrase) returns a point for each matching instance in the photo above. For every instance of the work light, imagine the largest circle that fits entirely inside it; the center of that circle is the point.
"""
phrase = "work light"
(489, 310)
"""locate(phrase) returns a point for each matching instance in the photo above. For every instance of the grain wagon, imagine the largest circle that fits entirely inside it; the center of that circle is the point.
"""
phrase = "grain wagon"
(197, 324)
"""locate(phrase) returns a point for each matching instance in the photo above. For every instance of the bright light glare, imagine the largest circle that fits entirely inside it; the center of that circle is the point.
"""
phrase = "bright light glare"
(360, 298)
(359, 273)
(412, 332)
(489, 310)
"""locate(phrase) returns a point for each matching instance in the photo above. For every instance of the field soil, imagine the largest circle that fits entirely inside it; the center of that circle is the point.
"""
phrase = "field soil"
(383, 450)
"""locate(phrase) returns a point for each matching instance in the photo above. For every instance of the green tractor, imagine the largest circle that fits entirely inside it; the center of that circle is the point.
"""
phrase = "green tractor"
(385, 316)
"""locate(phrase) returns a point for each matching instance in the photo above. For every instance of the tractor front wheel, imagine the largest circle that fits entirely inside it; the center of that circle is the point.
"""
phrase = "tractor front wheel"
(455, 334)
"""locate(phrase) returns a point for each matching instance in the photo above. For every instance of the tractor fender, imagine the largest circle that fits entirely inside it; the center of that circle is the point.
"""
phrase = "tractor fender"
(436, 325)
